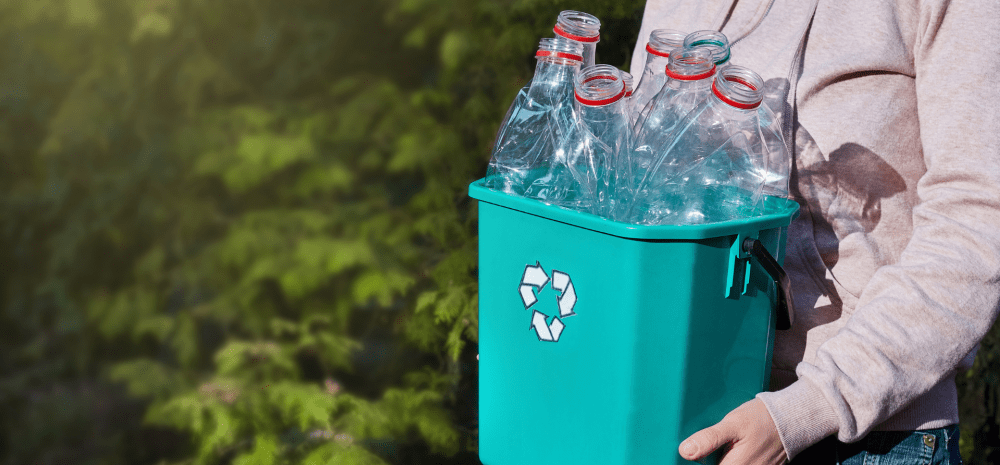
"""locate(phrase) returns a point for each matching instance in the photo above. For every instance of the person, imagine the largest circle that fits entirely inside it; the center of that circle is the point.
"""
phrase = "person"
(892, 114)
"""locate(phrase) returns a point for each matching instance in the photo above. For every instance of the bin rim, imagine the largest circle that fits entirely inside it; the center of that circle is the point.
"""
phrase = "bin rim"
(781, 213)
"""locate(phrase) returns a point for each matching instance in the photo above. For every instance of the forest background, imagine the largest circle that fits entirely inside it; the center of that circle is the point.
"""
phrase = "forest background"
(238, 231)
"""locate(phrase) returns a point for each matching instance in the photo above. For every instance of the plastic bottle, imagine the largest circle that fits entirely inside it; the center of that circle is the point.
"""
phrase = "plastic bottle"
(715, 41)
(715, 166)
(527, 137)
(661, 42)
(689, 75)
(586, 167)
(580, 27)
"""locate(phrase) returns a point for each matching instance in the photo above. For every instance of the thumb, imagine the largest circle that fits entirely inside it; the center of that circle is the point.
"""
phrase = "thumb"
(704, 442)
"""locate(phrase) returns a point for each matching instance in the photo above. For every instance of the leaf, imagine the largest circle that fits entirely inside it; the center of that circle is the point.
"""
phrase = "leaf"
(333, 453)
(265, 451)
(116, 314)
(333, 255)
(262, 360)
(259, 156)
(334, 178)
(84, 12)
(454, 47)
(306, 406)
(184, 340)
(152, 24)
(381, 286)
(145, 378)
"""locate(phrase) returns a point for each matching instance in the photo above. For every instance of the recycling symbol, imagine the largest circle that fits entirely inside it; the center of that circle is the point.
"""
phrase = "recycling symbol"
(532, 282)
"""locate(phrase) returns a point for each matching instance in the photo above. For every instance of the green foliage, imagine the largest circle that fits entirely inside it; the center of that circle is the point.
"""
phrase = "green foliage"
(243, 224)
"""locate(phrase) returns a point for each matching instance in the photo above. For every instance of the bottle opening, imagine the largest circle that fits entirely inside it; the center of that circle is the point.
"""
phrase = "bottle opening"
(739, 87)
(599, 85)
(690, 64)
(714, 41)
(578, 26)
(628, 80)
(662, 41)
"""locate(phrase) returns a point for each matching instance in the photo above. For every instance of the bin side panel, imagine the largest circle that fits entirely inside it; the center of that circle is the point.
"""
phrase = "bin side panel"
(552, 402)
(662, 350)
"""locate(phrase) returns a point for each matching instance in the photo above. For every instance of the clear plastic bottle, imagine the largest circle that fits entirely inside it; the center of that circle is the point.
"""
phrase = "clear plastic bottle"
(661, 42)
(689, 75)
(535, 121)
(715, 41)
(716, 165)
(581, 27)
(586, 165)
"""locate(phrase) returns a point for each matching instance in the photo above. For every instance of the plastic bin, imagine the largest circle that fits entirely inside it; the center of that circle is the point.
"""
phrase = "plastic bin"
(607, 343)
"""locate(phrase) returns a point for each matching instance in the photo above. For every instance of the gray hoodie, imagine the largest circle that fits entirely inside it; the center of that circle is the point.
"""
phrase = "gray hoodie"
(892, 109)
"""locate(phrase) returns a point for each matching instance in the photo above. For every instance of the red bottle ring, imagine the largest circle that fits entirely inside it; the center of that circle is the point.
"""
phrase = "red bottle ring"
(560, 31)
(657, 52)
(742, 106)
(690, 77)
(597, 103)
(568, 56)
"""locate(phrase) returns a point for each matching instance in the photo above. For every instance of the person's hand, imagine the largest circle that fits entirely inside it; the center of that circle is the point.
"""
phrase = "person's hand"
(747, 434)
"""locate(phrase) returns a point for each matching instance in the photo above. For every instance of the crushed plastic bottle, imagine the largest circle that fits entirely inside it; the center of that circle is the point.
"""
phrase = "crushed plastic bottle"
(689, 75)
(537, 119)
(586, 167)
(580, 27)
(715, 164)
(661, 42)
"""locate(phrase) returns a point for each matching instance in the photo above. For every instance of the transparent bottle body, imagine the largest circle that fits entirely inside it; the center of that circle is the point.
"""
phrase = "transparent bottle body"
(661, 42)
(586, 164)
(652, 80)
(664, 118)
(535, 122)
(710, 165)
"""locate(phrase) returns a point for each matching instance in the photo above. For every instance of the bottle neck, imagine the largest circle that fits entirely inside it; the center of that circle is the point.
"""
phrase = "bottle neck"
(578, 26)
(655, 64)
(553, 82)
(556, 70)
(679, 85)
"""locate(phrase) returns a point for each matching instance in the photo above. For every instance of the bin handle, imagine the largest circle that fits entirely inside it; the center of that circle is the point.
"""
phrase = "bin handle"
(771, 266)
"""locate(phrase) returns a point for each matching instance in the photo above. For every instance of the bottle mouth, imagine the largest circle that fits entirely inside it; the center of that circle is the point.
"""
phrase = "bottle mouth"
(560, 50)
(692, 64)
(662, 41)
(714, 41)
(578, 26)
(628, 80)
(739, 87)
(599, 85)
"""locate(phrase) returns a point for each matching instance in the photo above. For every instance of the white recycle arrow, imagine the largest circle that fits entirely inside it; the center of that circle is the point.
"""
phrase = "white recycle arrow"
(533, 280)
(567, 298)
(546, 332)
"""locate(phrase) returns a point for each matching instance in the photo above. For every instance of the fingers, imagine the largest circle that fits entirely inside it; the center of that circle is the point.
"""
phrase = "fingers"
(706, 441)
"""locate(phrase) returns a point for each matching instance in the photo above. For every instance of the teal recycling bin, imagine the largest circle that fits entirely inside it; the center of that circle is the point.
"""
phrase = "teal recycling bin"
(607, 343)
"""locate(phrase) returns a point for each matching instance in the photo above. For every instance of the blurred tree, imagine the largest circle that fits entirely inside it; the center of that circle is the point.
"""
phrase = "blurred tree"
(247, 214)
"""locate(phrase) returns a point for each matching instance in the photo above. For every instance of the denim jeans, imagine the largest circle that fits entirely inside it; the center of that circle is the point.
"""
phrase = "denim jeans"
(925, 447)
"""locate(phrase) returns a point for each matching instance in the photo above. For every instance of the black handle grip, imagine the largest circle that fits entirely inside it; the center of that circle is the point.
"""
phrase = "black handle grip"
(771, 266)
